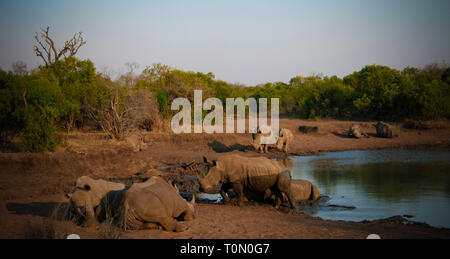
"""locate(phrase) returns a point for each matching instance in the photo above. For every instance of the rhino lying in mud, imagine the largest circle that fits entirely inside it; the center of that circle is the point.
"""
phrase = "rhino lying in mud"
(254, 174)
(88, 193)
(385, 130)
(142, 206)
(284, 140)
(136, 142)
(302, 190)
(356, 132)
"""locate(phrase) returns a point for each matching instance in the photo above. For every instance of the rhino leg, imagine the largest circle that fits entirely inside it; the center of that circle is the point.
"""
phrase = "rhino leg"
(170, 224)
(149, 225)
(284, 186)
(238, 188)
(278, 198)
(266, 148)
(223, 192)
(89, 219)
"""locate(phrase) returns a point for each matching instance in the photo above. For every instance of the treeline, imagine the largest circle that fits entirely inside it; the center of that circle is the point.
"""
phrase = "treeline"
(35, 106)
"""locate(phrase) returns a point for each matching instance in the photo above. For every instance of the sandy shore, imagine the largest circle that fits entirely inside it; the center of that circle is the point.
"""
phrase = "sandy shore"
(32, 184)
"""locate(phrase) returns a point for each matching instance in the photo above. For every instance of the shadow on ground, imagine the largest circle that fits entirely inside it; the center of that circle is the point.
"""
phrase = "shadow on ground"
(43, 209)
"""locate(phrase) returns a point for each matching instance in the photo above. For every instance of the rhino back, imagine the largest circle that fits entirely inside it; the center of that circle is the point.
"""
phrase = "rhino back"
(301, 189)
(256, 173)
(154, 197)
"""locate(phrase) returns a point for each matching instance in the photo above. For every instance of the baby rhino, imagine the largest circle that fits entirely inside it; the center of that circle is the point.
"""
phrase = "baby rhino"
(302, 190)
(144, 205)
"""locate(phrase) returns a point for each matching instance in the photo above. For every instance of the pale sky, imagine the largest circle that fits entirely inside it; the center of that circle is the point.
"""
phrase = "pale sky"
(240, 41)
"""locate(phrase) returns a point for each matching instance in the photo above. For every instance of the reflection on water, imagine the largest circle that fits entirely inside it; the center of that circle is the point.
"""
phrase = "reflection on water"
(382, 183)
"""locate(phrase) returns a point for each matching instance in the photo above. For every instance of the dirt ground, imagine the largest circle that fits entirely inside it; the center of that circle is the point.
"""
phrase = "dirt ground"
(32, 185)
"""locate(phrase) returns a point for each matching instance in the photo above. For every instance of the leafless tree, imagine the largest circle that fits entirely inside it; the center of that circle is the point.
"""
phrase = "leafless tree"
(120, 118)
(46, 49)
(129, 78)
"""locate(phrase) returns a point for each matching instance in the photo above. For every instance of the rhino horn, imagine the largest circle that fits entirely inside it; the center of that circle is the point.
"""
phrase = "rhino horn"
(193, 199)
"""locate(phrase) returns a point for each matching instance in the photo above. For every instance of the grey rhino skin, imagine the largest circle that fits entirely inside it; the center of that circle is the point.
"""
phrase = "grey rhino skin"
(385, 130)
(303, 190)
(284, 140)
(259, 147)
(156, 202)
(356, 132)
(144, 205)
(88, 194)
(253, 174)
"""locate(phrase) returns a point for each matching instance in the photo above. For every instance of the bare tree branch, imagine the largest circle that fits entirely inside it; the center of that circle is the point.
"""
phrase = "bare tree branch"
(46, 49)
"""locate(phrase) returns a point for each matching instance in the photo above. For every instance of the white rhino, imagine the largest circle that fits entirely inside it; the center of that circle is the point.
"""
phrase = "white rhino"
(385, 130)
(88, 193)
(156, 202)
(302, 190)
(356, 132)
(242, 174)
(143, 205)
(284, 140)
(266, 132)
(136, 142)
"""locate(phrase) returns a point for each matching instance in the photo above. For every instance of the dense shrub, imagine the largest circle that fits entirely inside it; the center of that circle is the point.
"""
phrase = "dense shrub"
(34, 107)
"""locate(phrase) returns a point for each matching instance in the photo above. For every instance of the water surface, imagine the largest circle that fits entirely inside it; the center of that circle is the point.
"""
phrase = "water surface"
(381, 184)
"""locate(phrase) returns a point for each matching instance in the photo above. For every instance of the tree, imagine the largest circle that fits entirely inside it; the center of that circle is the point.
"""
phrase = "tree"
(77, 82)
(46, 49)
(126, 112)
(19, 68)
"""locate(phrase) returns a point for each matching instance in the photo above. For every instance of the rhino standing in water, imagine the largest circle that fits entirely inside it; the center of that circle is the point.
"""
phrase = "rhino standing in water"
(142, 206)
(255, 174)
(303, 190)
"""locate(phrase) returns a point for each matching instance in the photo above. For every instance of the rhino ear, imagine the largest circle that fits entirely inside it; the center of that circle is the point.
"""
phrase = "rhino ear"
(205, 160)
(87, 187)
(214, 163)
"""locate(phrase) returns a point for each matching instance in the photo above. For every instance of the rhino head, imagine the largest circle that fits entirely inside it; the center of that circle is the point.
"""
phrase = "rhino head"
(191, 204)
(88, 194)
(81, 200)
(210, 182)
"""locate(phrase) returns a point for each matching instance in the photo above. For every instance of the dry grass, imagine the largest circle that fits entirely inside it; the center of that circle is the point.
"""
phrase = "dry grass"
(58, 226)
(111, 216)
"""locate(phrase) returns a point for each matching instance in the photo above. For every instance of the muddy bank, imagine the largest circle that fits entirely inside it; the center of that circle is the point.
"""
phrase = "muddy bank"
(42, 180)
